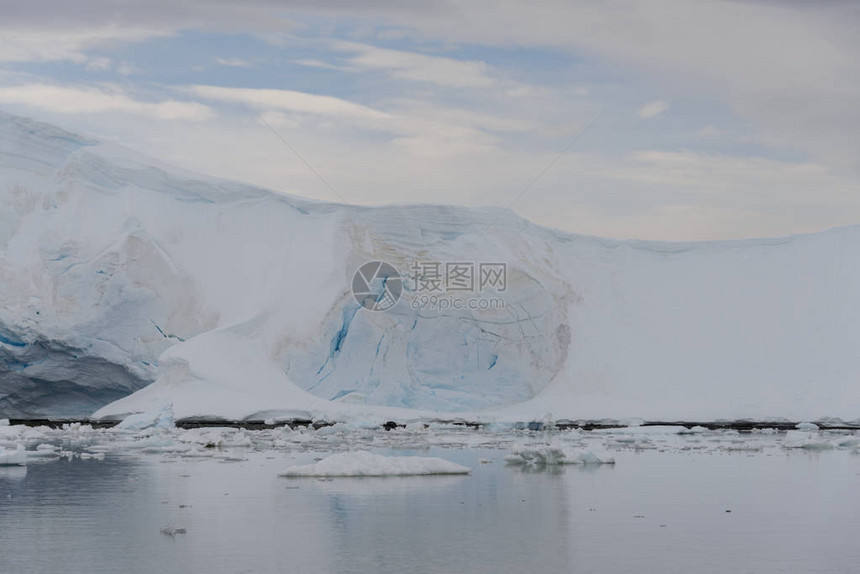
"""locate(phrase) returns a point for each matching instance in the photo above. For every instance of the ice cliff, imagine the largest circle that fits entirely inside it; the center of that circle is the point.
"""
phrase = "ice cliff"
(128, 285)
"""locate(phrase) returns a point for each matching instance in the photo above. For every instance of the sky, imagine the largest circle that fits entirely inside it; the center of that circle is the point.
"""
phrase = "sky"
(656, 119)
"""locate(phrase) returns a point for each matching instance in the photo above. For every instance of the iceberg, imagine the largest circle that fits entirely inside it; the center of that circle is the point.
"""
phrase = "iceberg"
(551, 455)
(364, 463)
(807, 440)
(129, 284)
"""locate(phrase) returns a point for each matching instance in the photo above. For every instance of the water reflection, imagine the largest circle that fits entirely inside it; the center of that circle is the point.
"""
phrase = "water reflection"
(492, 521)
(11, 473)
(652, 512)
(61, 513)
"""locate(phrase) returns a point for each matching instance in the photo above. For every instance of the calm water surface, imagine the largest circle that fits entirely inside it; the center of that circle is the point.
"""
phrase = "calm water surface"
(651, 512)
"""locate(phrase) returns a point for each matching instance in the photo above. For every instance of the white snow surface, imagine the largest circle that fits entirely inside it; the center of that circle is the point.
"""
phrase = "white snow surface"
(129, 285)
(364, 463)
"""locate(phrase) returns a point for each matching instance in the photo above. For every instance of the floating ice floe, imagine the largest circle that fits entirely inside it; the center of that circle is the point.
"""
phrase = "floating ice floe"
(852, 441)
(17, 457)
(363, 463)
(540, 455)
(158, 419)
(806, 439)
(158, 445)
(698, 429)
(198, 451)
(44, 450)
(217, 437)
(649, 430)
(807, 426)
(92, 456)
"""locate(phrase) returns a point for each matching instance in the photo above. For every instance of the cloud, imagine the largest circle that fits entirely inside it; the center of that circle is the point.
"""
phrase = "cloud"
(653, 109)
(416, 67)
(40, 44)
(55, 30)
(127, 69)
(89, 100)
(792, 69)
(234, 62)
(287, 100)
(648, 194)
(723, 174)
(424, 128)
(452, 116)
(653, 194)
(709, 132)
(99, 64)
(459, 131)
(314, 63)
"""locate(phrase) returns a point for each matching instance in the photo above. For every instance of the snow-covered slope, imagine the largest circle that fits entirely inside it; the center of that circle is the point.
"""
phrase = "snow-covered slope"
(118, 271)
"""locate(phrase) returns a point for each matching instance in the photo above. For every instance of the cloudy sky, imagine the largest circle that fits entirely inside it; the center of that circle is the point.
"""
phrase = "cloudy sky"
(652, 119)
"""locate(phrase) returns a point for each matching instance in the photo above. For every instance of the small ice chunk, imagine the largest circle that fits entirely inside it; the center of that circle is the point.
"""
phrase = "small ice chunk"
(547, 455)
(594, 454)
(208, 437)
(199, 452)
(804, 439)
(17, 457)
(172, 531)
(10, 433)
(643, 430)
(44, 450)
(158, 444)
(92, 456)
(159, 419)
(806, 426)
(850, 441)
(237, 439)
(363, 463)
(537, 455)
(329, 430)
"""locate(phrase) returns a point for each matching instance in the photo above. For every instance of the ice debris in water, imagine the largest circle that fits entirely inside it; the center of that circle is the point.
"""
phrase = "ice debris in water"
(44, 450)
(17, 457)
(805, 439)
(546, 455)
(363, 463)
(158, 419)
(172, 531)
(92, 456)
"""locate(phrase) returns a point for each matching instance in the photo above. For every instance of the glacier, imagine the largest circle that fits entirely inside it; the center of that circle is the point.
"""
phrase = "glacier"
(131, 286)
